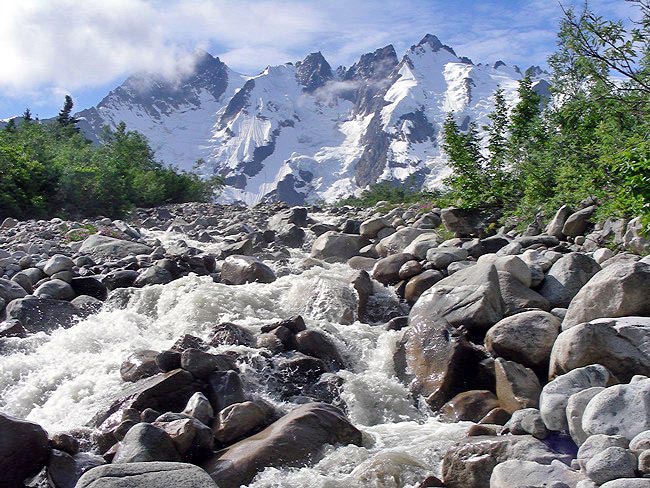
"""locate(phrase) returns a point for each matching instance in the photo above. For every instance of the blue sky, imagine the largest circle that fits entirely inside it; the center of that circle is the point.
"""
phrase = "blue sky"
(87, 47)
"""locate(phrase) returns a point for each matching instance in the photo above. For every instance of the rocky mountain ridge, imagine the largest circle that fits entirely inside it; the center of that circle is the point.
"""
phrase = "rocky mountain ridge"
(303, 132)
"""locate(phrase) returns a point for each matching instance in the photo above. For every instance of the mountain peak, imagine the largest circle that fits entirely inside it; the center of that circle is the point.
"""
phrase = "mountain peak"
(313, 71)
(433, 42)
(375, 65)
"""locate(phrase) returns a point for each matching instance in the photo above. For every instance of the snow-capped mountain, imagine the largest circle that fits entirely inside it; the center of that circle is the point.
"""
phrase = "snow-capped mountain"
(302, 131)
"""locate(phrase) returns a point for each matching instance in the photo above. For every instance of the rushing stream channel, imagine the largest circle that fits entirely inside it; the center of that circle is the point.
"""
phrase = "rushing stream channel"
(62, 380)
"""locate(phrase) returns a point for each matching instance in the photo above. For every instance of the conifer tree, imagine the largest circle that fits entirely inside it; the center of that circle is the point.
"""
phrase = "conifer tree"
(27, 115)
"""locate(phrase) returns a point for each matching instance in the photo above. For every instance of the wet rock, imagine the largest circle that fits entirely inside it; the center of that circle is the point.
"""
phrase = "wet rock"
(238, 270)
(295, 324)
(10, 290)
(104, 247)
(297, 371)
(145, 443)
(122, 278)
(42, 314)
(12, 328)
(237, 421)
(362, 283)
(524, 474)
(140, 364)
(64, 442)
(23, 450)
(566, 277)
(386, 270)
(168, 360)
(201, 364)
(290, 441)
(146, 475)
(526, 338)
(198, 406)
(470, 297)
(621, 345)
(619, 290)
(55, 289)
(224, 388)
(189, 341)
(613, 463)
(155, 275)
(231, 334)
(517, 386)
(191, 439)
(87, 285)
(496, 416)
(471, 463)
(470, 405)
(619, 410)
(555, 395)
(316, 344)
(338, 247)
(64, 470)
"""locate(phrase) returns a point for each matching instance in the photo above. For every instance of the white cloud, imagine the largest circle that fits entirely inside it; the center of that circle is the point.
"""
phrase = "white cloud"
(58, 46)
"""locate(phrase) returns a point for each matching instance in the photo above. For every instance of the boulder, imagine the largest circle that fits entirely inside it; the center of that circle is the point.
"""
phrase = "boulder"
(555, 395)
(627, 483)
(362, 284)
(421, 244)
(238, 270)
(619, 290)
(470, 405)
(641, 441)
(104, 247)
(191, 439)
(42, 314)
(555, 226)
(369, 228)
(613, 463)
(417, 285)
(595, 444)
(399, 240)
(441, 257)
(526, 338)
(634, 238)
(619, 410)
(524, 474)
(471, 463)
(237, 421)
(575, 410)
(386, 270)
(145, 443)
(316, 344)
(224, 388)
(513, 265)
(566, 277)
(55, 289)
(229, 334)
(10, 290)
(517, 297)
(87, 285)
(294, 215)
(64, 470)
(334, 246)
(58, 263)
(199, 407)
(517, 386)
(290, 441)
(462, 222)
(154, 275)
(622, 345)
(140, 364)
(146, 475)
(23, 450)
(201, 364)
(576, 224)
(527, 421)
(470, 297)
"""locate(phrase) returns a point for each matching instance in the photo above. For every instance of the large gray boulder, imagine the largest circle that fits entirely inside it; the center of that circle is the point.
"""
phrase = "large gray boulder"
(471, 463)
(621, 345)
(619, 410)
(470, 297)
(576, 224)
(620, 290)
(422, 243)
(238, 270)
(517, 386)
(55, 289)
(144, 443)
(386, 270)
(146, 475)
(43, 314)
(526, 337)
(290, 441)
(104, 247)
(398, 241)
(611, 464)
(555, 395)
(10, 290)
(575, 410)
(23, 450)
(517, 297)
(524, 474)
(335, 246)
(554, 227)
(566, 277)
(58, 263)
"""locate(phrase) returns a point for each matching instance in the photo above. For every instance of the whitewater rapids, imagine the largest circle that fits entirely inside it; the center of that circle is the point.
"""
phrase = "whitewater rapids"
(64, 379)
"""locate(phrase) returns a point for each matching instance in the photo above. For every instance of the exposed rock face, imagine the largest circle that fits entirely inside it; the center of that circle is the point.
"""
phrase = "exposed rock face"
(146, 475)
(621, 345)
(619, 290)
(289, 441)
(23, 450)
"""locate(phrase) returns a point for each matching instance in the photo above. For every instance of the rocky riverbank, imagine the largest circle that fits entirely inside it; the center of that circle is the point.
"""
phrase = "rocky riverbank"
(201, 344)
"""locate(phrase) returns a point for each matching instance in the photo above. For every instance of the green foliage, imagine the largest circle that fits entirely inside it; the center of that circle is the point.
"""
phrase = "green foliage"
(392, 194)
(51, 169)
(593, 141)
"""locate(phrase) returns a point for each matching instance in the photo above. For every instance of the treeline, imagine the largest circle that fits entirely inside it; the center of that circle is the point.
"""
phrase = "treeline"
(50, 169)
(592, 140)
